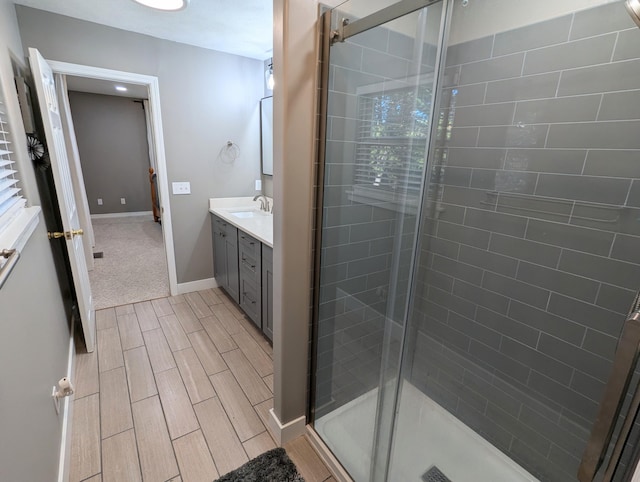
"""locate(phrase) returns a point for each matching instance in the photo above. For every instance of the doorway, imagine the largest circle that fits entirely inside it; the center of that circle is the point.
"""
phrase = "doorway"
(115, 147)
(149, 86)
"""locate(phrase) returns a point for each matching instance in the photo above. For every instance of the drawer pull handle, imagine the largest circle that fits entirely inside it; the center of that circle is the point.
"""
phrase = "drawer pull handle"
(246, 263)
(250, 242)
(244, 293)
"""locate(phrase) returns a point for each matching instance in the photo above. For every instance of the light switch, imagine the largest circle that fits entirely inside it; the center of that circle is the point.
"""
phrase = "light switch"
(181, 187)
(258, 185)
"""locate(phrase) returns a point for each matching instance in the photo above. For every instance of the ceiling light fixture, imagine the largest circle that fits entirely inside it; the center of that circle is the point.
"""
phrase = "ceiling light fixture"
(166, 5)
(268, 75)
(121, 88)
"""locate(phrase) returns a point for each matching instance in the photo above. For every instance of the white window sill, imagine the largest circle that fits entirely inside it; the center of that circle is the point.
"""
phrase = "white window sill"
(20, 229)
(404, 203)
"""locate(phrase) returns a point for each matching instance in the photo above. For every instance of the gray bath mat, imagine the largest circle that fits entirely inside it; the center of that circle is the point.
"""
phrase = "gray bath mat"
(271, 466)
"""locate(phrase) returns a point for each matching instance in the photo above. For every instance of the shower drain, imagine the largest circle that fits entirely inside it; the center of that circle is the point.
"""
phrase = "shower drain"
(435, 475)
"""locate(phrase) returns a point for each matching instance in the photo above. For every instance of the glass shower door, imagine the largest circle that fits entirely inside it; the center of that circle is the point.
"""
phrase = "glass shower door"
(528, 255)
(380, 101)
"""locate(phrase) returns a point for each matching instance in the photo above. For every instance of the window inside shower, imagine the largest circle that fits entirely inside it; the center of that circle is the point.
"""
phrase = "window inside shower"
(392, 133)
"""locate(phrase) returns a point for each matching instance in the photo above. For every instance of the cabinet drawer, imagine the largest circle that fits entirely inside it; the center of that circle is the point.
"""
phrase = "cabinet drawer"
(250, 244)
(250, 300)
(249, 264)
(224, 228)
(248, 272)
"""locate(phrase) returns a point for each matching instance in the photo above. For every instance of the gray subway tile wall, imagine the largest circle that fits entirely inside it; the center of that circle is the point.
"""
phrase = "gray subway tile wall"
(597, 21)
(620, 106)
(619, 163)
(626, 50)
(524, 293)
(522, 250)
(522, 182)
(360, 237)
(569, 55)
(607, 77)
(534, 36)
(492, 69)
(566, 109)
(523, 88)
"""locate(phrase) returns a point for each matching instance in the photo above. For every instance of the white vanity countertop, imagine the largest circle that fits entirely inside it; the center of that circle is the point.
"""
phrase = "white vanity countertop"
(245, 214)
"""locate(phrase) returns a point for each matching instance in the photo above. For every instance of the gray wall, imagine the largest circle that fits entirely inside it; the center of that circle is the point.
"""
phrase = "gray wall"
(111, 133)
(34, 334)
(207, 98)
(34, 341)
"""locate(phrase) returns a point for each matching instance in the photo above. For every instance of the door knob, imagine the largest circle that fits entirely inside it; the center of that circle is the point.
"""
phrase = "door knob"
(66, 234)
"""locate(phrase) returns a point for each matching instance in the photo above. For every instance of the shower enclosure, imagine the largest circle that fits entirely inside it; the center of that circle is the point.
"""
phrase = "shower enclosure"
(477, 239)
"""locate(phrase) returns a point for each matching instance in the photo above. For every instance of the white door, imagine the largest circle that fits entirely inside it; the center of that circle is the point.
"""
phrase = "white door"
(47, 100)
(75, 168)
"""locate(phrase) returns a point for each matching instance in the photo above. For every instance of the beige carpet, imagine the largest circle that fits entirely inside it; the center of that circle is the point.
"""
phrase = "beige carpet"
(134, 266)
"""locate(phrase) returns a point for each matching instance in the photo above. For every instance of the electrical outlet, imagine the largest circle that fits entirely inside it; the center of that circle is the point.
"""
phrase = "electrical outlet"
(258, 185)
(99, 201)
(181, 187)
(123, 200)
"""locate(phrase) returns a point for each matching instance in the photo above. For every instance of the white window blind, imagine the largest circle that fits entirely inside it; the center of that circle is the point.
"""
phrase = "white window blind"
(11, 200)
(391, 139)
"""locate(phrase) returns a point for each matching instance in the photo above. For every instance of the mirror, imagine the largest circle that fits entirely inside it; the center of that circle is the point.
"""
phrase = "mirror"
(266, 136)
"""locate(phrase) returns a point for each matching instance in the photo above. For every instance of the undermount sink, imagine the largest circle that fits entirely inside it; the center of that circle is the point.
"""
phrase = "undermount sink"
(249, 214)
(245, 214)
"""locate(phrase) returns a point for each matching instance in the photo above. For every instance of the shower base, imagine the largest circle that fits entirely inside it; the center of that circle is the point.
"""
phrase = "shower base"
(426, 435)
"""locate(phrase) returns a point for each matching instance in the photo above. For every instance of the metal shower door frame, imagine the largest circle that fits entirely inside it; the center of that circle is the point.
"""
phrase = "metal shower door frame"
(387, 410)
(328, 38)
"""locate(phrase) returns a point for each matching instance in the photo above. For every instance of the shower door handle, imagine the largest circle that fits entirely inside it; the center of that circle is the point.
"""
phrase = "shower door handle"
(624, 364)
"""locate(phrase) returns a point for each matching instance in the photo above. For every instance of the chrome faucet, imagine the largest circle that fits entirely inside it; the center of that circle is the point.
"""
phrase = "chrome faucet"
(264, 202)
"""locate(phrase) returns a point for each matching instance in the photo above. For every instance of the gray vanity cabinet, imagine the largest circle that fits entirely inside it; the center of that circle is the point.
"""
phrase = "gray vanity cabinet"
(250, 271)
(225, 256)
(267, 291)
(243, 266)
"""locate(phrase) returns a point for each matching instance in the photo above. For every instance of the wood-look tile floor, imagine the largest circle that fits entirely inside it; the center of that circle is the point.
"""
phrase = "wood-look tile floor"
(178, 389)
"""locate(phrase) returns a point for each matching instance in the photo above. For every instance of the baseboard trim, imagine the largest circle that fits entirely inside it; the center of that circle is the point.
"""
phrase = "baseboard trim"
(198, 285)
(287, 432)
(330, 460)
(121, 215)
(65, 438)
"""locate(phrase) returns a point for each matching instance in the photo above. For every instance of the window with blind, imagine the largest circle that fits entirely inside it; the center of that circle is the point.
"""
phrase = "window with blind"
(11, 200)
(392, 138)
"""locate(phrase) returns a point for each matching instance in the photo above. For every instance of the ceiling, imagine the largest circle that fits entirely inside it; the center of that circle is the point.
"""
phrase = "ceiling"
(240, 27)
(106, 87)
